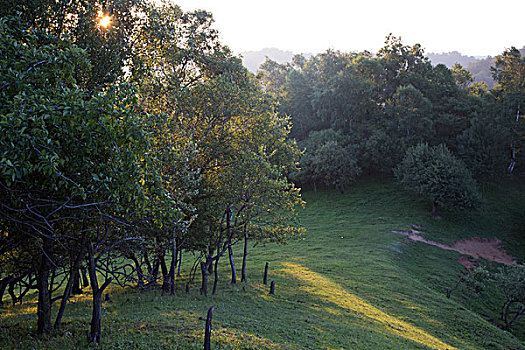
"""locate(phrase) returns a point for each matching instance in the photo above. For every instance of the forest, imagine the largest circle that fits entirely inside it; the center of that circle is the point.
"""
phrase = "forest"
(363, 114)
(137, 152)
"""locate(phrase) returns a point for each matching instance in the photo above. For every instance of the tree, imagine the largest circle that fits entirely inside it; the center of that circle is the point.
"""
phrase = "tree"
(509, 72)
(336, 165)
(510, 282)
(69, 159)
(462, 76)
(437, 174)
(481, 148)
(329, 159)
(412, 113)
(223, 124)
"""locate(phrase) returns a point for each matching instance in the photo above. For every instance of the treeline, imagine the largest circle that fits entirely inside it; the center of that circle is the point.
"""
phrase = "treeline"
(123, 144)
(480, 68)
(357, 114)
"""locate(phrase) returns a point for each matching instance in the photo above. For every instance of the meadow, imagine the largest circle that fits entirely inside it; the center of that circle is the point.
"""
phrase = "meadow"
(348, 283)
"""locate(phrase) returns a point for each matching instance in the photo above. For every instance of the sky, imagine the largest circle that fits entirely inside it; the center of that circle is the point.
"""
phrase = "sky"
(474, 28)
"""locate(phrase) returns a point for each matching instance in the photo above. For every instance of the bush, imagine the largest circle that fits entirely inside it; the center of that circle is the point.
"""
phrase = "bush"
(436, 173)
(329, 160)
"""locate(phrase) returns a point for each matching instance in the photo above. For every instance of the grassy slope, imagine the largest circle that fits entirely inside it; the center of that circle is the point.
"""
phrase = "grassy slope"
(349, 283)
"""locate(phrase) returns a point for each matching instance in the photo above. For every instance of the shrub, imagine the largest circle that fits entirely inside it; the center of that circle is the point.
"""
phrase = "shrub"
(436, 173)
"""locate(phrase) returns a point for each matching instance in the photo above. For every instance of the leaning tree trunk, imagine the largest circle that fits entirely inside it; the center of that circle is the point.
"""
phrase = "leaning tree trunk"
(44, 295)
(232, 264)
(96, 318)
(244, 255)
(138, 268)
(179, 262)
(73, 278)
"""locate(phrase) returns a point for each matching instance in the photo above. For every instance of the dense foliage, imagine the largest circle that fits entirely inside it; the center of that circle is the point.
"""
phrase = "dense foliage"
(435, 172)
(124, 142)
(383, 104)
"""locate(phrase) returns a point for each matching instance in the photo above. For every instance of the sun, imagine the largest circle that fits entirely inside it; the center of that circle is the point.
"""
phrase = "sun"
(104, 20)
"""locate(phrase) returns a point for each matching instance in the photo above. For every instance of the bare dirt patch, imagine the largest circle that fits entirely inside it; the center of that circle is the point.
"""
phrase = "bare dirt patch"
(487, 248)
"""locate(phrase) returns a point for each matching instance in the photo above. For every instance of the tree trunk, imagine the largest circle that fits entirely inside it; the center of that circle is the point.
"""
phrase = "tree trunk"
(85, 281)
(513, 143)
(148, 264)
(163, 266)
(207, 331)
(506, 315)
(155, 270)
(244, 256)
(216, 274)
(73, 278)
(44, 296)
(179, 262)
(138, 268)
(168, 285)
(65, 298)
(11, 291)
(435, 211)
(75, 283)
(3, 285)
(96, 317)
(232, 264)
(204, 285)
(210, 265)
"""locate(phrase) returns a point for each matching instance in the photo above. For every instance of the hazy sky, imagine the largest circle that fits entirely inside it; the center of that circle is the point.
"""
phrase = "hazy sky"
(475, 28)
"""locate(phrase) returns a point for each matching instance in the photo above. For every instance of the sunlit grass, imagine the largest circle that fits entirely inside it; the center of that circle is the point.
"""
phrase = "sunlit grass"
(329, 291)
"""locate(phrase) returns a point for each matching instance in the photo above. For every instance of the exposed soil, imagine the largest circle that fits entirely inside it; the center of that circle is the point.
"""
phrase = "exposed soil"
(468, 262)
(487, 248)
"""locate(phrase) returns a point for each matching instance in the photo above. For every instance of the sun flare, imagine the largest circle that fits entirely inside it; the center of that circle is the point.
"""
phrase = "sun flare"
(104, 21)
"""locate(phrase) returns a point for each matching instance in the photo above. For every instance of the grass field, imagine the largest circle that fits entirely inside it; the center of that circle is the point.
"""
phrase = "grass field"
(349, 283)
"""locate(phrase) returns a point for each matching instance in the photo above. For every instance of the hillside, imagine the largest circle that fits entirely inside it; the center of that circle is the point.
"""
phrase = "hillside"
(350, 283)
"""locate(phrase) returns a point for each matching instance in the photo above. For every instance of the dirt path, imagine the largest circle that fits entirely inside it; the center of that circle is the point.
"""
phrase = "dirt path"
(486, 248)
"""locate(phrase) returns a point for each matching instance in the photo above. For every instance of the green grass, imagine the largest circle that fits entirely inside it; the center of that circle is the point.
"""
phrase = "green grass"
(349, 283)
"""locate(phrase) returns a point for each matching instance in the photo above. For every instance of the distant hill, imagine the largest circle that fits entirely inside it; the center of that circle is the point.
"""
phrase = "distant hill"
(478, 66)
(480, 70)
(253, 59)
(450, 58)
